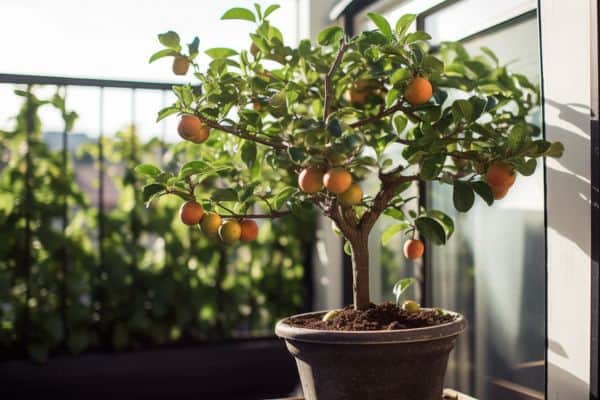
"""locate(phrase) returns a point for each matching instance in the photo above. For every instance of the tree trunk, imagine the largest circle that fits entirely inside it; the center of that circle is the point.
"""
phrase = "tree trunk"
(360, 271)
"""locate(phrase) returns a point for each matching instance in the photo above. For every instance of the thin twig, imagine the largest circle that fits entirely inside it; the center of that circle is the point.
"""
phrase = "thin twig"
(271, 215)
(241, 134)
(329, 78)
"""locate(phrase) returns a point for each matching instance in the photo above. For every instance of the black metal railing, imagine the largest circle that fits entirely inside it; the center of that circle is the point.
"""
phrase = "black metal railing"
(99, 272)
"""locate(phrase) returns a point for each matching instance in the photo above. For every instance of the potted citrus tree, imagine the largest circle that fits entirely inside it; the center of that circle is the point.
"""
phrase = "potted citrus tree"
(323, 118)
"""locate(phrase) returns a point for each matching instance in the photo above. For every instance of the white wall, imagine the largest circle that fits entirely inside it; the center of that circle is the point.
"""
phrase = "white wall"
(566, 49)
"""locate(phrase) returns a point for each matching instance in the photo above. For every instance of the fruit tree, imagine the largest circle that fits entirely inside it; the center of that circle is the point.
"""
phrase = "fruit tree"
(322, 117)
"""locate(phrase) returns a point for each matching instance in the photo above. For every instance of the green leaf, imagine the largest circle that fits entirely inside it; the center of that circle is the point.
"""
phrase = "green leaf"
(171, 40)
(444, 219)
(431, 229)
(528, 167)
(463, 196)
(148, 169)
(518, 136)
(283, 196)
(248, 152)
(193, 47)
(161, 54)
(399, 122)
(224, 195)
(400, 75)
(555, 150)
(462, 109)
(270, 9)
(330, 35)
(334, 127)
(239, 13)
(392, 231)
(484, 191)
(433, 63)
(150, 190)
(401, 286)
(382, 24)
(491, 55)
(417, 36)
(403, 23)
(193, 167)
(165, 112)
(220, 52)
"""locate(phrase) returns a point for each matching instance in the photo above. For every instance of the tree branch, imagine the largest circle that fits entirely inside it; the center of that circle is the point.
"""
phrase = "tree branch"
(384, 113)
(271, 215)
(389, 184)
(329, 77)
(233, 130)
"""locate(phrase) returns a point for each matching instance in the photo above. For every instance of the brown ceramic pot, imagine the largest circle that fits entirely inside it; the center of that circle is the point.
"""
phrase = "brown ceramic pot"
(407, 364)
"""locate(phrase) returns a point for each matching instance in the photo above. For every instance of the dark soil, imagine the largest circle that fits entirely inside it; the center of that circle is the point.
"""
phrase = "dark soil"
(386, 316)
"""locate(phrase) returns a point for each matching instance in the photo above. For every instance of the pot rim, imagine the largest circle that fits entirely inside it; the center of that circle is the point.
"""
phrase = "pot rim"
(426, 334)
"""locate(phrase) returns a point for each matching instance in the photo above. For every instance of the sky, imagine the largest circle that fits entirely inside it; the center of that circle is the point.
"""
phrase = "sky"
(113, 39)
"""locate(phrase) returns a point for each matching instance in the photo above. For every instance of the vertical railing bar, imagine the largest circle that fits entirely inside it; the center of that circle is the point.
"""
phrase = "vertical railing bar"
(163, 125)
(64, 290)
(133, 215)
(101, 227)
(28, 207)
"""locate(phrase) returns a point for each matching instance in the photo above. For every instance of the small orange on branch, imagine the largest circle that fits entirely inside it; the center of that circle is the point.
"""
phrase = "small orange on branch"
(191, 212)
(337, 180)
(418, 91)
(191, 128)
(249, 230)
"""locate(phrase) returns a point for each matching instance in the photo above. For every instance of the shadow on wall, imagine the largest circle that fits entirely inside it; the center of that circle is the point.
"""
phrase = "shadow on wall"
(573, 175)
(576, 388)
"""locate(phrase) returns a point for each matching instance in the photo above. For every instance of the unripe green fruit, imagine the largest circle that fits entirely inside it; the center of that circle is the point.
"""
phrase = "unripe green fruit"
(411, 306)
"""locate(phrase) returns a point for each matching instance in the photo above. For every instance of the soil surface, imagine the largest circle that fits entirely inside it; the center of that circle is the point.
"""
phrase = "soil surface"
(385, 316)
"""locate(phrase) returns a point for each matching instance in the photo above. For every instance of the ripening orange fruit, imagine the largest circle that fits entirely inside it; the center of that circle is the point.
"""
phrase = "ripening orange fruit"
(418, 92)
(210, 223)
(337, 180)
(499, 192)
(351, 197)
(310, 180)
(249, 230)
(191, 128)
(500, 175)
(230, 231)
(180, 65)
(191, 212)
(413, 249)
(254, 49)
(361, 89)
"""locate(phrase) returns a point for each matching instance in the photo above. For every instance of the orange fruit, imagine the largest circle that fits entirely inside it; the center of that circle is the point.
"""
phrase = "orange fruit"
(500, 175)
(499, 192)
(249, 230)
(254, 49)
(210, 223)
(418, 91)
(191, 128)
(180, 65)
(191, 212)
(361, 89)
(337, 180)
(413, 249)
(256, 106)
(351, 197)
(310, 180)
(230, 231)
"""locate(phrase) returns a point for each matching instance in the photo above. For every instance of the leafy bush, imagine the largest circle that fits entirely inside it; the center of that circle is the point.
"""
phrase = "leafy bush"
(145, 281)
